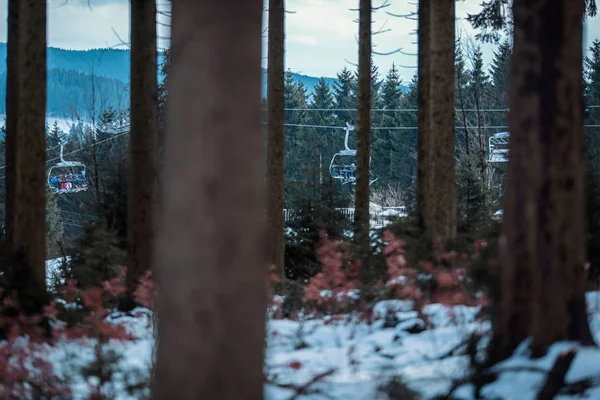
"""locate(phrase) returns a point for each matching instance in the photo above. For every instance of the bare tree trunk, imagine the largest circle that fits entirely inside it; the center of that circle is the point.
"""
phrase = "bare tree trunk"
(29, 230)
(543, 230)
(12, 104)
(363, 135)
(443, 124)
(425, 167)
(142, 142)
(559, 311)
(276, 132)
(211, 259)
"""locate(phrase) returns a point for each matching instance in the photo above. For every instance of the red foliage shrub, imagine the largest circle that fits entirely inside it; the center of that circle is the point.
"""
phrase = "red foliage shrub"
(25, 371)
(330, 289)
(442, 279)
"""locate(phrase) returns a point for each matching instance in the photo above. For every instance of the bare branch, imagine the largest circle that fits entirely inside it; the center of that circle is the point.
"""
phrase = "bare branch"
(381, 31)
(351, 63)
(389, 53)
(385, 4)
(409, 15)
(122, 42)
(406, 66)
(407, 54)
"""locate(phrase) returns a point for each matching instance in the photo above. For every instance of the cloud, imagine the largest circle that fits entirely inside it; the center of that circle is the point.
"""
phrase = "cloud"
(320, 34)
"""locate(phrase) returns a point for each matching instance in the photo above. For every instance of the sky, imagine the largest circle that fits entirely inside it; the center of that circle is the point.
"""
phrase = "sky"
(320, 34)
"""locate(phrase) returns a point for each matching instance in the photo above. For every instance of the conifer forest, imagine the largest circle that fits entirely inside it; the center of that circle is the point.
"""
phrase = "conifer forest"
(190, 215)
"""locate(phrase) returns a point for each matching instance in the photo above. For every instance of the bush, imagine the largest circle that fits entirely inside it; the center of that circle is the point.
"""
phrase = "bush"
(97, 256)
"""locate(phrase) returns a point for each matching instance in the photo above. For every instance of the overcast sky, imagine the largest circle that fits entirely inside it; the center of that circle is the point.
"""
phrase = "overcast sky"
(321, 34)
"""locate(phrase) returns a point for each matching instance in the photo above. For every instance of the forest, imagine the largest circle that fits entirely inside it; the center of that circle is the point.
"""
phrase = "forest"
(176, 244)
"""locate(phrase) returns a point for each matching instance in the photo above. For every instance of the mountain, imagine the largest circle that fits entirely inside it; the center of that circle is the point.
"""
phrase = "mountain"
(74, 74)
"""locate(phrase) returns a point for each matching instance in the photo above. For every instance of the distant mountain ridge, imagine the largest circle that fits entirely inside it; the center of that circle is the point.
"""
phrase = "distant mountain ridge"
(110, 69)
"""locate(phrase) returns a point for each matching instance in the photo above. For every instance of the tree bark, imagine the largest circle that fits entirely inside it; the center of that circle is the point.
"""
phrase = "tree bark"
(142, 142)
(425, 168)
(276, 136)
(363, 135)
(28, 240)
(211, 259)
(556, 76)
(11, 116)
(543, 277)
(441, 107)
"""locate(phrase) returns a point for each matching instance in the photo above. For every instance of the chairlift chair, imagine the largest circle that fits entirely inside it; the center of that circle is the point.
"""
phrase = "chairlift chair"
(67, 176)
(343, 167)
(498, 145)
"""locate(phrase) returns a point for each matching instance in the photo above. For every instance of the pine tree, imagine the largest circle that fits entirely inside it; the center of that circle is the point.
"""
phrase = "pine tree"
(376, 83)
(297, 150)
(54, 135)
(345, 97)
(54, 225)
(592, 145)
(390, 147)
(499, 73)
(462, 101)
(325, 141)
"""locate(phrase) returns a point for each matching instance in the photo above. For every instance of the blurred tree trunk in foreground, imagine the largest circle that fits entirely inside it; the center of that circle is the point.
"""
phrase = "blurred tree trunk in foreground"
(543, 244)
(211, 259)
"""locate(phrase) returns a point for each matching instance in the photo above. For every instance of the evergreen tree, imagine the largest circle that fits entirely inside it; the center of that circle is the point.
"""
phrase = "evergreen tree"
(344, 94)
(296, 147)
(499, 73)
(462, 75)
(325, 142)
(316, 207)
(376, 84)
(390, 155)
(592, 144)
(54, 135)
(54, 225)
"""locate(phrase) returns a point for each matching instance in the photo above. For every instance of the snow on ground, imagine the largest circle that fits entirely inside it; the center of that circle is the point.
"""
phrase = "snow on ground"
(356, 356)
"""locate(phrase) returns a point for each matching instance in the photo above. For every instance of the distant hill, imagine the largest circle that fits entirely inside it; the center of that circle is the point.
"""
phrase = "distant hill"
(70, 79)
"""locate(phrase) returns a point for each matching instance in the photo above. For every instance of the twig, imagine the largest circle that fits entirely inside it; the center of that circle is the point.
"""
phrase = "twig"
(556, 377)
(304, 389)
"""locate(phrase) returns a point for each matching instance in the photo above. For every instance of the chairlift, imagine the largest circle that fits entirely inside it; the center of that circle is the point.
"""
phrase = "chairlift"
(343, 167)
(498, 145)
(67, 176)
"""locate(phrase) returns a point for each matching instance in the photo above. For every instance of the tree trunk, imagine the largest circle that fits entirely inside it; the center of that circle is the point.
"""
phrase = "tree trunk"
(12, 104)
(276, 132)
(425, 168)
(29, 230)
(442, 50)
(544, 220)
(363, 135)
(142, 142)
(211, 259)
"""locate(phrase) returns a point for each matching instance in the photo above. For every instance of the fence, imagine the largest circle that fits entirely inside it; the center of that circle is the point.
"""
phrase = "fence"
(379, 217)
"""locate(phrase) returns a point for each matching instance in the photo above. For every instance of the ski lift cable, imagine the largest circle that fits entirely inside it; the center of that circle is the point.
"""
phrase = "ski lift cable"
(409, 109)
(47, 150)
(298, 125)
(78, 150)
(413, 127)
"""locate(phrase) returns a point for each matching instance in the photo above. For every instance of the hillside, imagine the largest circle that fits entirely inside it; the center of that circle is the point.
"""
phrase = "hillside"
(71, 73)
